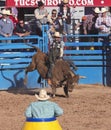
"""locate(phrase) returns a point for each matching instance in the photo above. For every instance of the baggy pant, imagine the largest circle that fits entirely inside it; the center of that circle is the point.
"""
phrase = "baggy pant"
(41, 124)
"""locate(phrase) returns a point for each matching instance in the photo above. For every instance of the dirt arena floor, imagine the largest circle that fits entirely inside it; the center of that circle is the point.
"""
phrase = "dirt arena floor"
(87, 108)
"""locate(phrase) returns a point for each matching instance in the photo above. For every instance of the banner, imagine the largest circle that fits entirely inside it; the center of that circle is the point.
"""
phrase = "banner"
(33, 3)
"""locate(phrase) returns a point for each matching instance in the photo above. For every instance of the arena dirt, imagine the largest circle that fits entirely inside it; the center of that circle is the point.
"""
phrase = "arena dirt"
(87, 108)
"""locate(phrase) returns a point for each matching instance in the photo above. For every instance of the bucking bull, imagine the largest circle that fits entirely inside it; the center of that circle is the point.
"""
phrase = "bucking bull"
(62, 75)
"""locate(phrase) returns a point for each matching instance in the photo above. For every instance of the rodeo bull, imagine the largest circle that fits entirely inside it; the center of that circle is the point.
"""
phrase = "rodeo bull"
(62, 75)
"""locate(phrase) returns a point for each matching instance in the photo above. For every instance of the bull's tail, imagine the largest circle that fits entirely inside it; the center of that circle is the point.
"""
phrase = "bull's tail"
(37, 49)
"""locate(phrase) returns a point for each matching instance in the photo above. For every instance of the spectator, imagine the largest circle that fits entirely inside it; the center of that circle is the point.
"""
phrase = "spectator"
(94, 30)
(22, 29)
(56, 52)
(89, 24)
(6, 25)
(42, 16)
(88, 27)
(54, 15)
(42, 114)
(103, 24)
(59, 26)
(65, 10)
(82, 29)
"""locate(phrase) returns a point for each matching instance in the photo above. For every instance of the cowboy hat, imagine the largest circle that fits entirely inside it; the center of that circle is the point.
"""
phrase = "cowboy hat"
(103, 10)
(97, 10)
(65, 1)
(40, 3)
(57, 34)
(6, 12)
(42, 95)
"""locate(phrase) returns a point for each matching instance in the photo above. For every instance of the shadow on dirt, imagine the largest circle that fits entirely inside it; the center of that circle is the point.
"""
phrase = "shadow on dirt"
(32, 92)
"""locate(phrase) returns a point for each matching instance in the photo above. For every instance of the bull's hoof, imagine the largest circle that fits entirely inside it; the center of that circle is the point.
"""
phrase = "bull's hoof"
(67, 96)
(53, 96)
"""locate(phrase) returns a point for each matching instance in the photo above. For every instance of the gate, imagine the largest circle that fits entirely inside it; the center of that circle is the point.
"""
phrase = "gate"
(15, 56)
(93, 59)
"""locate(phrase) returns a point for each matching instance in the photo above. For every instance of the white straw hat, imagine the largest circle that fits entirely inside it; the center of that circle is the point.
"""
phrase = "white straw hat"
(6, 12)
(103, 10)
(57, 34)
(42, 95)
(97, 10)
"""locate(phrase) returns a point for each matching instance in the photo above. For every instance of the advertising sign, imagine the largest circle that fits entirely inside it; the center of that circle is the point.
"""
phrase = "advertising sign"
(30, 3)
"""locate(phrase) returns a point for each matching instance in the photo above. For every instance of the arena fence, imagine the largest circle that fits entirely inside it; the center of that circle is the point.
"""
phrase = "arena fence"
(15, 56)
(93, 59)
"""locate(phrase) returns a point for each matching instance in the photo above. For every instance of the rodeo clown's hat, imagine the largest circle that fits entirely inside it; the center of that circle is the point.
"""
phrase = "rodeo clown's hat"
(42, 95)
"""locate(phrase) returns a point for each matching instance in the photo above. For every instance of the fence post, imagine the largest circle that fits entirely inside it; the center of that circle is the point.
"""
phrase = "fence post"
(45, 28)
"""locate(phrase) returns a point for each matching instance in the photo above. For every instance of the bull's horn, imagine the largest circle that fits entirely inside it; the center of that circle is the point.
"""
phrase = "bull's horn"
(82, 77)
(72, 74)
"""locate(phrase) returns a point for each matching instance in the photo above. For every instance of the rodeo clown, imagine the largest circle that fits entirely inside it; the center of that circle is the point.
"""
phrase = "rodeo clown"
(41, 115)
(55, 52)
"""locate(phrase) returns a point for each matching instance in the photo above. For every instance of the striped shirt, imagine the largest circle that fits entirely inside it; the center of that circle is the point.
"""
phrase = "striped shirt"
(105, 26)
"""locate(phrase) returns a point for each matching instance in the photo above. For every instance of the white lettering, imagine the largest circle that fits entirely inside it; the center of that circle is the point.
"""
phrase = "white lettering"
(44, 1)
(71, 2)
(49, 2)
(33, 2)
(36, 2)
(22, 2)
(90, 2)
(78, 2)
(27, 2)
(16, 2)
(55, 2)
(84, 2)
(59, 1)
